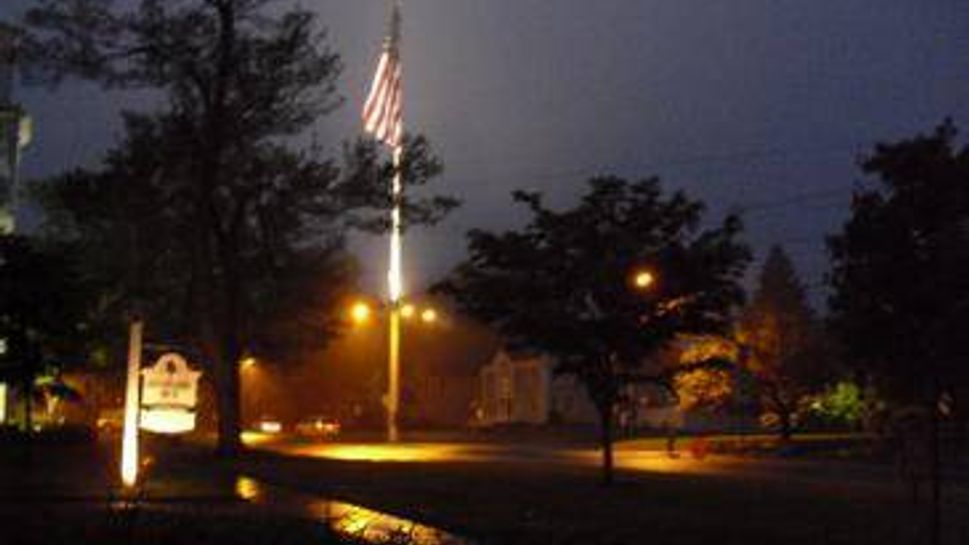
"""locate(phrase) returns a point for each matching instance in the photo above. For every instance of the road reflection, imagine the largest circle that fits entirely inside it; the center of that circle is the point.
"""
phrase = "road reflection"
(382, 452)
(649, 461)
(346, 519)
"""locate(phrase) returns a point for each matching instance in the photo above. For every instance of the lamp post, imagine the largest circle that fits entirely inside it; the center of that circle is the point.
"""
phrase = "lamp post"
(361, 313)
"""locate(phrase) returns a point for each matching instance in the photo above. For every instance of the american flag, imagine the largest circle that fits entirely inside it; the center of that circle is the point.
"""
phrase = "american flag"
(383, 112)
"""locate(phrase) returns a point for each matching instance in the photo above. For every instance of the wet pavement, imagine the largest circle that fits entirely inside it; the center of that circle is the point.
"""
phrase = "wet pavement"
(345, 519)
(72, 494)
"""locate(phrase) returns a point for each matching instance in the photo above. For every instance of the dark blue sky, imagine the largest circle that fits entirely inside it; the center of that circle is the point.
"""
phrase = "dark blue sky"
(763, 104)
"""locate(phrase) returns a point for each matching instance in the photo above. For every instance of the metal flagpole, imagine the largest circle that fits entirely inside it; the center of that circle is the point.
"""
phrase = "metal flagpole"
(395, 285)
(395, 280)
(383, 118)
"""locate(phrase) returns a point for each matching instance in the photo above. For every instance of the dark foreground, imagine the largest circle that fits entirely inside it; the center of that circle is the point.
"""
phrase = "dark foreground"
(69, 494)
(533, 498)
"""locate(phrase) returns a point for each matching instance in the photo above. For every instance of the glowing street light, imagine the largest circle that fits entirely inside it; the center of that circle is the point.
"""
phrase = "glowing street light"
(429, 316)
(397, 311)
(644, 279)
(360, 313)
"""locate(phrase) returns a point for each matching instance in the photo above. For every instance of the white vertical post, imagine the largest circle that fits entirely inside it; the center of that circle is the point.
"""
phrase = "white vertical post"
(129, 441)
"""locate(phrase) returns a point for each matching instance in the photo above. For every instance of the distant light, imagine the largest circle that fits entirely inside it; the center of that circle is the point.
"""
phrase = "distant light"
(248, 489)
(429, 316)
(360, 313)
(408, 311)
(270, 426)
(644, 279)
(248, 361)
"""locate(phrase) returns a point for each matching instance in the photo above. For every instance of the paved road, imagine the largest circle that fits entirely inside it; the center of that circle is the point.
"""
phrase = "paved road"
(646, 457)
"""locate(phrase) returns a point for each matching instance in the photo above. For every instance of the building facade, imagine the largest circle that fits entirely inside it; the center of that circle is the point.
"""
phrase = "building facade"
(522, 389)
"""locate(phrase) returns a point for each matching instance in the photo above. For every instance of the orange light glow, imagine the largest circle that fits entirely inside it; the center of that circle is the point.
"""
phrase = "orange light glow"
(407, 311)
(429, 316)
(396, 452)
(644, 280)
(360, 312)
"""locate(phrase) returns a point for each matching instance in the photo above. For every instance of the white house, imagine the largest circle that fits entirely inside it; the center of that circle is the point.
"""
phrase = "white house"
(522, 389)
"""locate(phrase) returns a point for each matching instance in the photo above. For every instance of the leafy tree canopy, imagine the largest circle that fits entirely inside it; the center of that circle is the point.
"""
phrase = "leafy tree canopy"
(42, 308)
(213, 210)
(565, 284)
(900, 266)
(781, 340)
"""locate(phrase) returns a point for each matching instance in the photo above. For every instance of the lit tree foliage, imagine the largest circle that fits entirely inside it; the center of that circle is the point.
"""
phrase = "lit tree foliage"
(781, 341)
(705, 387)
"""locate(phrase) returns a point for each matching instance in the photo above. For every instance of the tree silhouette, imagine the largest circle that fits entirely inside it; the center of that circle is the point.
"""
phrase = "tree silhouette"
(234, 192)
(565, 284)
(781, 340)
(900, 268)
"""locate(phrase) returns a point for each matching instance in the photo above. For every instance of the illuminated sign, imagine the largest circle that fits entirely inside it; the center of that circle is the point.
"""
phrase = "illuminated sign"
(169, 392)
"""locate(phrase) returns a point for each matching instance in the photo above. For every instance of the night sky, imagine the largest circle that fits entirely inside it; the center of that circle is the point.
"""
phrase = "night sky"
(763, 105)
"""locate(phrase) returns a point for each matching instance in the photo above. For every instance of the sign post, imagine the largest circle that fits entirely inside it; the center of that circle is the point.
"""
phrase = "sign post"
(129, 441)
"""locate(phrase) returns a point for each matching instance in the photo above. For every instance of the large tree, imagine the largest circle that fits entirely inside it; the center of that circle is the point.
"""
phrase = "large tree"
(603, 286)
(227, 199)
(42, 314)
(900, 268)
(781, 342)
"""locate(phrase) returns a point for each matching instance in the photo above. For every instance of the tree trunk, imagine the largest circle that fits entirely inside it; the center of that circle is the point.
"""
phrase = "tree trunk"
(229, 443)
(786, 428)
(28, 393)
(605, 429)
(28, 355)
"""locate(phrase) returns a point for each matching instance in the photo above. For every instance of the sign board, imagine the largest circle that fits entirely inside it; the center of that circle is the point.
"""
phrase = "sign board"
(169, 392)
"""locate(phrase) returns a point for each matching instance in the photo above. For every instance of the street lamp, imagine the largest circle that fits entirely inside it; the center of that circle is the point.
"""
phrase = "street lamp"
(643, 279)
(360, 313)
(429, 316)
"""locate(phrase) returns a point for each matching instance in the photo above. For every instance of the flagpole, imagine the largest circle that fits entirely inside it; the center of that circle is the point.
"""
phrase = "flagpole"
(383, 117)
(395, 285)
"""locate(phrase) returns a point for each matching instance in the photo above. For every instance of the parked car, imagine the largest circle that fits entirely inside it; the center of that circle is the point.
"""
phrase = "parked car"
(269, 424)
(320, 426)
